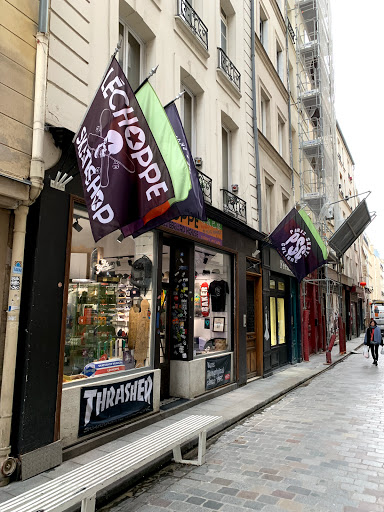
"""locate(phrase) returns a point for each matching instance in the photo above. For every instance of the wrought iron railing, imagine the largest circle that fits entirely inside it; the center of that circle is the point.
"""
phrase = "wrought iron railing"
(233, 205)
(229, 69)
(206, 187)
(291, 31)
(189, 15)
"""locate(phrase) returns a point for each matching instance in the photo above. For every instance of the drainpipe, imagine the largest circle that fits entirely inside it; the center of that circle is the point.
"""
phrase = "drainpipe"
(8, 464)
(254, 104)
(289, 103)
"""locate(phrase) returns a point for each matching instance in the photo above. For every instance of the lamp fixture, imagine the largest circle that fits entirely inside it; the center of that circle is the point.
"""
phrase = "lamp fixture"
(77, 226)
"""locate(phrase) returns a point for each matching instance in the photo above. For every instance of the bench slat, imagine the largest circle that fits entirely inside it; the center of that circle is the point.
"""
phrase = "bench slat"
(60, 493)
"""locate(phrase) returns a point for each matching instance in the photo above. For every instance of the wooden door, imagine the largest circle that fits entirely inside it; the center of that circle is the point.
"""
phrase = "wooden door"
(254, 361)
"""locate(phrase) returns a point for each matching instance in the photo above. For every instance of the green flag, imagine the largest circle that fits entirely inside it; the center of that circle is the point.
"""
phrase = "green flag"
(166, 140)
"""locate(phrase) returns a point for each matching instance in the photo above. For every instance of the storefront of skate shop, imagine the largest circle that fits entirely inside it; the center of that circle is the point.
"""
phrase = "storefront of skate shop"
(112, 331)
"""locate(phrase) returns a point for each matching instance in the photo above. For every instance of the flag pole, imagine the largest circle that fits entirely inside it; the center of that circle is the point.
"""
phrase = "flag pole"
(177, 97)
(151, 73)
(94, 96)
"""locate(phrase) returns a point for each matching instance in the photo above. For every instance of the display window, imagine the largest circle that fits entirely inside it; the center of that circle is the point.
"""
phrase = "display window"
(277, 311)
(110, 301)
(212, 302)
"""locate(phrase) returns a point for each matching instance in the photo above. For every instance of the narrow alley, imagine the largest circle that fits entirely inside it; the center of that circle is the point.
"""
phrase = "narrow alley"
(320, 448)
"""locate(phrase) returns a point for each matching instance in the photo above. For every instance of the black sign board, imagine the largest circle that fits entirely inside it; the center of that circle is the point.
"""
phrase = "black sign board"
(217, 371)
(351, 229)
(104, 405)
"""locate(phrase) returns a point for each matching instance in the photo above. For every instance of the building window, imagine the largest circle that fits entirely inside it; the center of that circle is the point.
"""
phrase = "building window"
(264, 114)
(224, 32)
(279, 61)
(268, 206)
(130, 55)
(280, 135)
(110, 299)
(285, 205)
(263, 27)
(187, 104)
(226, 157)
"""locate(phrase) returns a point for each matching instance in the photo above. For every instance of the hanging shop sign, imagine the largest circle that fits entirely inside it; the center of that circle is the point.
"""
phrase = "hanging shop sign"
(217, 371)
(107, 404)
(210, 231)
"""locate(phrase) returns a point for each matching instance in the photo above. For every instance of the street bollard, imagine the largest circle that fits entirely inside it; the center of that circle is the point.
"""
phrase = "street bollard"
(342, 341)
(328, 357)
(306, 335)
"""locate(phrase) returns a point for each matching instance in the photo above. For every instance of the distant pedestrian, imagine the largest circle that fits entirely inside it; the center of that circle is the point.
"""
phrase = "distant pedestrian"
(373, 339)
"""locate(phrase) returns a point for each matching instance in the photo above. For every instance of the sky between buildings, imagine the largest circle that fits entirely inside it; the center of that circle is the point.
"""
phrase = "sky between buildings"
(358, 34)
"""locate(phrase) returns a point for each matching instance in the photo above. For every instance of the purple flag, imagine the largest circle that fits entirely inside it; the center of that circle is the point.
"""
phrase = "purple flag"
(299, 244)
(194, 205)
(124, 176)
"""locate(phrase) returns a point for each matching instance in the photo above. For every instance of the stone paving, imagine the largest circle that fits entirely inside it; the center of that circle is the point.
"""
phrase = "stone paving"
(319, 449)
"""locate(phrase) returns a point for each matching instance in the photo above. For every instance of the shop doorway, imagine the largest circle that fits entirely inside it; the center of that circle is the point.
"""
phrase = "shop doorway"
(254, 327)
(163, 346)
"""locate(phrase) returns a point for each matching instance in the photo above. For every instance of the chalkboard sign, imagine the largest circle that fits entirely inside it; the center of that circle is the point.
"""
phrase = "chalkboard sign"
(217, 371)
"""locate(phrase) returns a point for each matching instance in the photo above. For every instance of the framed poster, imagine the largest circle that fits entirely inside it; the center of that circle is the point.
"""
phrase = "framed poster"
(218, 324)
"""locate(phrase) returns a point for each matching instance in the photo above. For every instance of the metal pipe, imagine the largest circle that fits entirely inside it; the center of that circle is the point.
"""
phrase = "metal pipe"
(255, 129)
(43, 16)
(7, 463)
(289, 103)
(37, 160)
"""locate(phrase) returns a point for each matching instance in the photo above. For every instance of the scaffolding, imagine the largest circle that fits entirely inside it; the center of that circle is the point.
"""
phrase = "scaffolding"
(317, 129)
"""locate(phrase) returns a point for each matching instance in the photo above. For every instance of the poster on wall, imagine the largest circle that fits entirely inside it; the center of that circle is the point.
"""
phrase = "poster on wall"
(107, 404)
(217, 371)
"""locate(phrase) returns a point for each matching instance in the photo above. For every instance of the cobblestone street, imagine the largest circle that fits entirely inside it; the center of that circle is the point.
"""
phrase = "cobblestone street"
(321, 448)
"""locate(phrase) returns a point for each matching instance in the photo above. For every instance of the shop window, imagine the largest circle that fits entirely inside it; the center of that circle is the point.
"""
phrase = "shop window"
(108, 322)
(280, 321)
(272, 305)
(277, 312)
(130, 55)
(212, 302)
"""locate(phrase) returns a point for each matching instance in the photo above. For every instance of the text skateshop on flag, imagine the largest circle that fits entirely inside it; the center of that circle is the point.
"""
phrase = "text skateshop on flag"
(135, 139)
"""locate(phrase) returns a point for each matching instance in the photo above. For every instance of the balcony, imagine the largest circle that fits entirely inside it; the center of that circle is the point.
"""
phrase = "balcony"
(234, 206)
(206, 187)
(291, 31)
(227, 66)
(186, 12)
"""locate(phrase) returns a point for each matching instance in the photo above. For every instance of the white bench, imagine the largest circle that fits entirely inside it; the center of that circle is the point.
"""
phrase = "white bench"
(81, 485)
